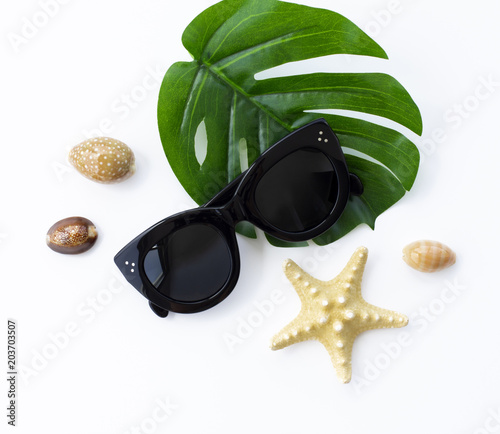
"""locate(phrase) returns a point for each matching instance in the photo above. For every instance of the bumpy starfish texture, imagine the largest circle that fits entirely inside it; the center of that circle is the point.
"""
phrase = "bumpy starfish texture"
(334, 312)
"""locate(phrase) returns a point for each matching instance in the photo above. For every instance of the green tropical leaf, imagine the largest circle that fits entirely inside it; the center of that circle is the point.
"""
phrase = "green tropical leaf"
(234, 40)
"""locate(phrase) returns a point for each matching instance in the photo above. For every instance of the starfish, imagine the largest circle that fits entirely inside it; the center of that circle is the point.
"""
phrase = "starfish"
(334, 312)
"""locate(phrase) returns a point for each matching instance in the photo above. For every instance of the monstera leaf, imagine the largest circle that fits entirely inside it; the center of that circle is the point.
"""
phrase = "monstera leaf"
(217, 94)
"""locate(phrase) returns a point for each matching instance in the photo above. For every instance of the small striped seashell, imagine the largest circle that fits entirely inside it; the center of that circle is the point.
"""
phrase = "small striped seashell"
(428, 256)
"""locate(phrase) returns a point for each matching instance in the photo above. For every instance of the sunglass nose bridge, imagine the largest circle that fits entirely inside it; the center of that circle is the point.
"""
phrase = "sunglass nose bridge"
(233, 212)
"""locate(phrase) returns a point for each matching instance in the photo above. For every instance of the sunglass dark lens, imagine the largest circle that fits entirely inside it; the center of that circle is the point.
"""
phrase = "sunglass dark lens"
(191, 264)
(298, 192)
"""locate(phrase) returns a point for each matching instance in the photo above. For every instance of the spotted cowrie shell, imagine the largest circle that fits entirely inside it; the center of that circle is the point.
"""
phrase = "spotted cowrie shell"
(103, 159)
(72, 235)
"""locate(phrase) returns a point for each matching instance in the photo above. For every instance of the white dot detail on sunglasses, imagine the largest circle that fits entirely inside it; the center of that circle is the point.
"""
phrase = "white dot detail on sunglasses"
(132, 270)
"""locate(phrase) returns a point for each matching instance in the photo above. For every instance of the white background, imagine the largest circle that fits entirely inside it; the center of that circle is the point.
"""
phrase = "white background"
(117, 364)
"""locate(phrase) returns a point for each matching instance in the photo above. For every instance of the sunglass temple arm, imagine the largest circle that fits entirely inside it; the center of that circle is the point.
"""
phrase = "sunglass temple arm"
(356, 186)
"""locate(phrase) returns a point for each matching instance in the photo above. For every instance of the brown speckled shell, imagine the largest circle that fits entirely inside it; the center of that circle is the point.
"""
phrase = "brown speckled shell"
(428, 256)
(72, 235)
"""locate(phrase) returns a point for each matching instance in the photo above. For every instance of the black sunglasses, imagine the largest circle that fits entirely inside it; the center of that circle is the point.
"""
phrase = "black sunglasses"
(294, 191)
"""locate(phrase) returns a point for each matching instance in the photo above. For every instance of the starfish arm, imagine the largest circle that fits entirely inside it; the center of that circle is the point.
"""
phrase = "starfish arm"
(303, 283)
(373, 317)
(353, 271)
(297, 331)
(340, 354)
